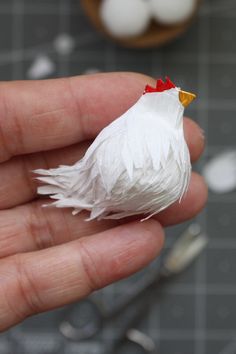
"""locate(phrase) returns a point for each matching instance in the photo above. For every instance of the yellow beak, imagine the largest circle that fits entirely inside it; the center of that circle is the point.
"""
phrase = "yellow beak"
(186, 98)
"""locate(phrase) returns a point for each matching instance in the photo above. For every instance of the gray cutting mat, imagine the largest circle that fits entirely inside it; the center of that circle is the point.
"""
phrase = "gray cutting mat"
(197, 314)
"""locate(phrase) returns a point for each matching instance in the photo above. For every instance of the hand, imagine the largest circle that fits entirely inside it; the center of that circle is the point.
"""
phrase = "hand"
(48, 257)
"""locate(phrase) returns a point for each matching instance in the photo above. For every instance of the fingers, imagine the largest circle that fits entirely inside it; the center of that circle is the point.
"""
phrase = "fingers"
(192, 203)
(195, 139)
(31, 227)
(54, 277)
(44, 115)
(21, 187)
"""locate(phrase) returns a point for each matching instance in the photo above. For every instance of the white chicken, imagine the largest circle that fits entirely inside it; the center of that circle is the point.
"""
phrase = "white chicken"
(137, 165)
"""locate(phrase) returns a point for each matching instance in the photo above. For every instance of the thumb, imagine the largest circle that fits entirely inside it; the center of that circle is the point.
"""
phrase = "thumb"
(50, 278)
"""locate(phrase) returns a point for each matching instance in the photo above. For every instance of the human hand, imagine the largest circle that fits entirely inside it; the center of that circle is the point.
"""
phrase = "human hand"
(48, 257)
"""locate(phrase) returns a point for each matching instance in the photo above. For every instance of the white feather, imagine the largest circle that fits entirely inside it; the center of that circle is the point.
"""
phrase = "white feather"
(139, 164)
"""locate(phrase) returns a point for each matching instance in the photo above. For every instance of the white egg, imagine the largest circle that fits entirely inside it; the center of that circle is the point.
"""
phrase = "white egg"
(170, 12)
(125, 18)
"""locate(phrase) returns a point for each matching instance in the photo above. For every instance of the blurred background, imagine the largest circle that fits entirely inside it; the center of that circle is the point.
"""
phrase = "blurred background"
(53, 38)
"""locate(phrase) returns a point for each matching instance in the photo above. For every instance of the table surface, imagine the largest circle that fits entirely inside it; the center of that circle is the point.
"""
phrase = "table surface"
(197, 313)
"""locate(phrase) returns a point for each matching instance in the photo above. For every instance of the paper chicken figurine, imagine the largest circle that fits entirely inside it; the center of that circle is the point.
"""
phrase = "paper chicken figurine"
(137, 165)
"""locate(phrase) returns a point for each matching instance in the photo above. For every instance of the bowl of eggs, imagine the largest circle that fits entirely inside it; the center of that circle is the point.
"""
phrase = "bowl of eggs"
(141, 23)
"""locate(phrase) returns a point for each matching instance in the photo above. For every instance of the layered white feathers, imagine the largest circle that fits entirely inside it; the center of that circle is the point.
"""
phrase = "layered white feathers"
(139, 164)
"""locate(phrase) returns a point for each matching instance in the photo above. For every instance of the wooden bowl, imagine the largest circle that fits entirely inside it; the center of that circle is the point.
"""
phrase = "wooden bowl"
(155, 36)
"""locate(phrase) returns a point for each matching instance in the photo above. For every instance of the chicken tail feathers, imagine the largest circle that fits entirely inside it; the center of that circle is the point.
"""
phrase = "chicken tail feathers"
(57, 182)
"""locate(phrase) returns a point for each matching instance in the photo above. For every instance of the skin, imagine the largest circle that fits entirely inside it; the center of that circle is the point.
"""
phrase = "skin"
(48, 258)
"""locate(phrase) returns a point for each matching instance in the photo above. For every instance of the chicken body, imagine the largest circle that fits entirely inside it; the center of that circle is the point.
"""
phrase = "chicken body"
(139, 164)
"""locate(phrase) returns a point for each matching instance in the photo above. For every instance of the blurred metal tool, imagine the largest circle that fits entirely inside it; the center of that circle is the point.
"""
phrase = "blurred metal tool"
(189, 245)
(141, 339)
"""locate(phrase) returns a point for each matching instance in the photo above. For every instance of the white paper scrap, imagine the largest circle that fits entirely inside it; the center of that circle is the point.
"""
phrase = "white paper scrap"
(91, 71)
(41, 68)
(64, 44)
(220, 172)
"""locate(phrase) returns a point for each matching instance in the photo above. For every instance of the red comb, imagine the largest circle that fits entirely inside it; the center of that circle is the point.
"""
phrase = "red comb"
(160, 86)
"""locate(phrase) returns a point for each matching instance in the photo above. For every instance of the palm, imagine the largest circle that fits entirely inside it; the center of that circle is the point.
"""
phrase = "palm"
(47, 260)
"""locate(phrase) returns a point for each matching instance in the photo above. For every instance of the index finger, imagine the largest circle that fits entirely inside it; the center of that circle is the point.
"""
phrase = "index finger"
(43, 115)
